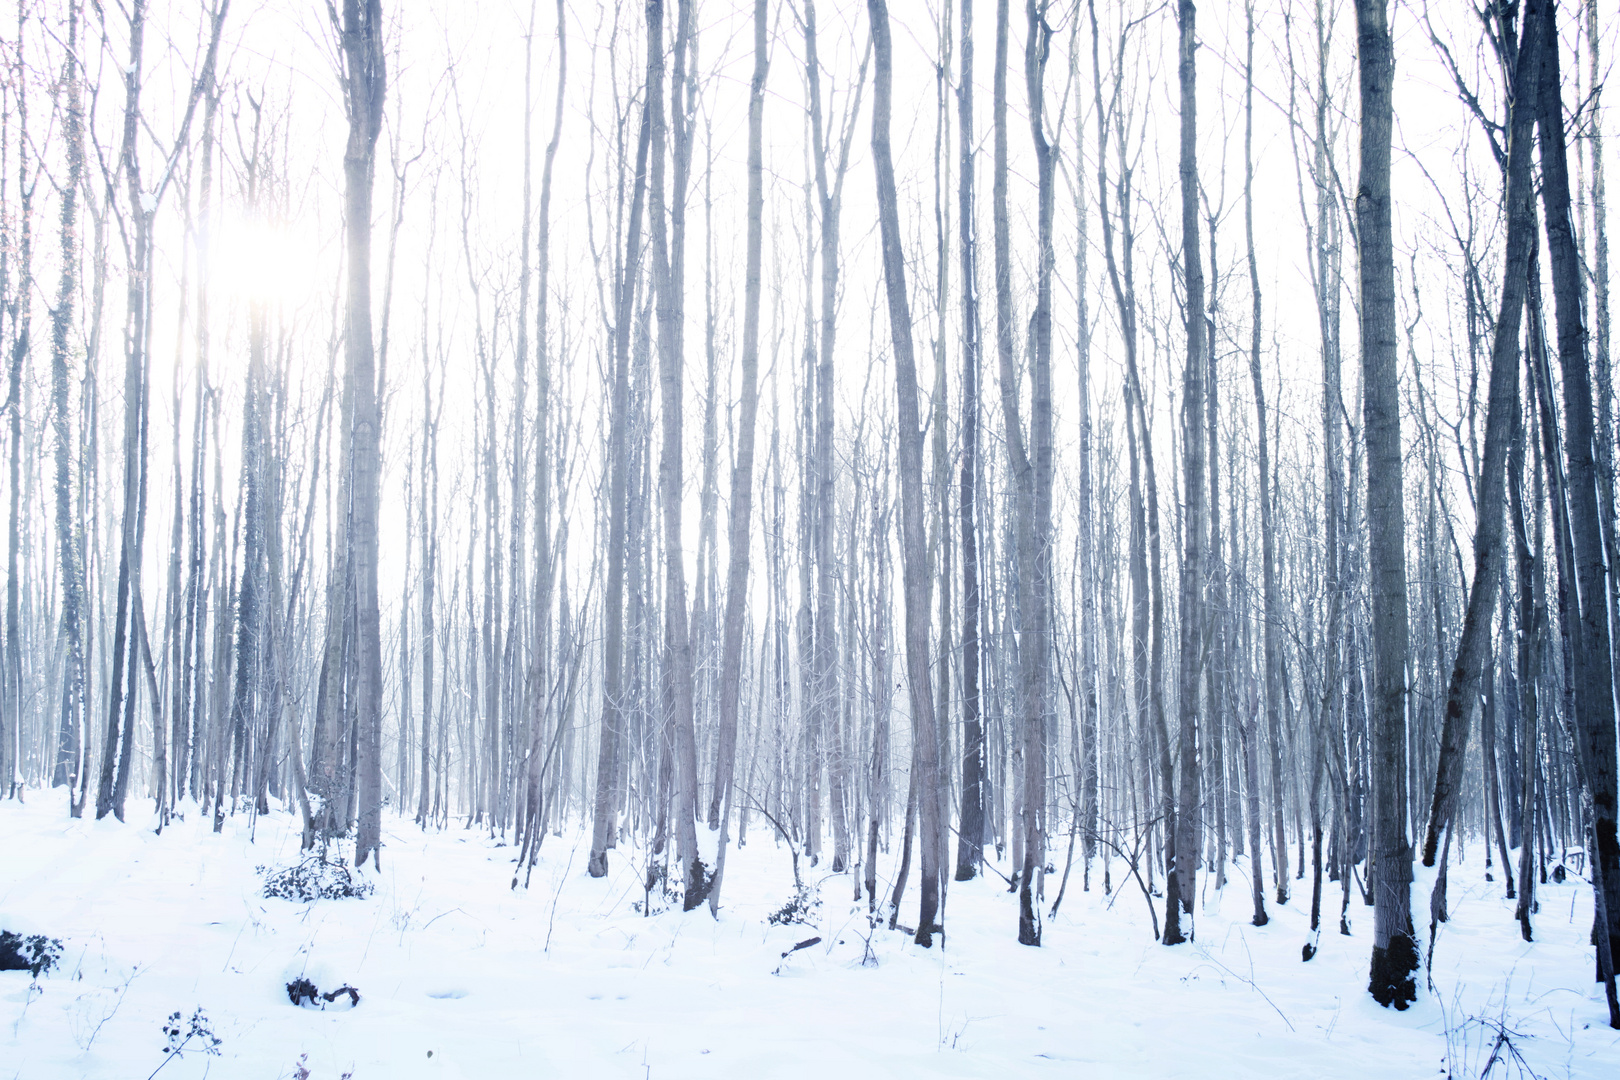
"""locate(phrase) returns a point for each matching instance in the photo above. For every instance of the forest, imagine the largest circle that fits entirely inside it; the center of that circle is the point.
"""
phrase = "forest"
(1020, 454)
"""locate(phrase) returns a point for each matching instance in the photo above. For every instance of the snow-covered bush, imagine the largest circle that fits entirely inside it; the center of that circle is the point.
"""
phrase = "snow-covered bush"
(314, 878)
(35, 953)
(800, 910)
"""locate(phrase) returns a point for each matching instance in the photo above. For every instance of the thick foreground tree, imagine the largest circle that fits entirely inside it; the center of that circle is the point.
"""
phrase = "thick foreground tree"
(1394, 955)
(364, 91)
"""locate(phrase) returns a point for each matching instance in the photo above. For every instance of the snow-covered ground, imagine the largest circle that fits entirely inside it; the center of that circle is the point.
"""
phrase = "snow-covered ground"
(462, 976)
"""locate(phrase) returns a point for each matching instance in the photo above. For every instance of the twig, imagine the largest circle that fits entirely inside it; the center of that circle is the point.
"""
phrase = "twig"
(552, 921)
(1251, 984)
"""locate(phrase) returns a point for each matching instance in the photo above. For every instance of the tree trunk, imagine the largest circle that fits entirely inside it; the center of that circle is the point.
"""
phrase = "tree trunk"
(69, 531)
(1592, 674)
(1490, 498)
(1184, 857)
(1268, 543)
(11, 682)
(1035, 652)
(914, 558)
(365, 86)
(668, 240)
(608, 762)
(742, 470)
(1394, 956)
(970, 833)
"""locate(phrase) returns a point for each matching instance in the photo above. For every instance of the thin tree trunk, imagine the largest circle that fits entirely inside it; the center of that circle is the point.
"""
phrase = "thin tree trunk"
(1268, 542)
(11, 680)
(742, 470)
(69, 531)
(1531, 630)
(925, 738)
(970, 834)
(539, 677)
(1184, 855)
(609, 761)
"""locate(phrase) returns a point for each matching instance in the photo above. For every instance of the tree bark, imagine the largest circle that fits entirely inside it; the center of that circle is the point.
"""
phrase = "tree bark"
(970, 832)
(1592, 674)
(365, 89)
(1394, 955)
(1463, 692)
(69, 532)
(742, 471)
(613, 722)
(1184, 857)
(914, 559)
(1268, 560)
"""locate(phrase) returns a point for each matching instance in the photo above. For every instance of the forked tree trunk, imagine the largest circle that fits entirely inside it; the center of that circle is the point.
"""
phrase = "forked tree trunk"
(668, 240)
(1463, 692)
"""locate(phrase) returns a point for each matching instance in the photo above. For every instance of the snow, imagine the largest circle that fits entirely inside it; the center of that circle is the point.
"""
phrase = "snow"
(462, 976)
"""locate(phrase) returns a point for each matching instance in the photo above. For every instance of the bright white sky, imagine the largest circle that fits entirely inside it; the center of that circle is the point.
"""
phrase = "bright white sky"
(455, 129)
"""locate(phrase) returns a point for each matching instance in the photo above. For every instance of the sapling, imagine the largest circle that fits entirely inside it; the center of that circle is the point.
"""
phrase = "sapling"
(197, 1029)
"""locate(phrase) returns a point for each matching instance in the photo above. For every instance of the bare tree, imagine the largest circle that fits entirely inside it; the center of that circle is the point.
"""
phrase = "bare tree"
(1592, 675)
(1183, 856)
(11, 679)
(69, 530)
(119, 744)
(970, 835)
(1394, 956)
(924, 738)
(365, 91)
(613, 712)
(742, 470)
(1503, 406)
(1268, 542)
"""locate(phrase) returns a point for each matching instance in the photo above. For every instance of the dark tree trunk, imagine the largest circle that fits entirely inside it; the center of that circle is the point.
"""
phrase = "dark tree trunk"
(1184, 855)
(1592, 674)
(1463, 692)
(1394, 955)
(1247, 731)
(970, 831)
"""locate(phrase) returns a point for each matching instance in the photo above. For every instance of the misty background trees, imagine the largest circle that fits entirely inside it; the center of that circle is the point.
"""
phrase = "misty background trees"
(359, 472)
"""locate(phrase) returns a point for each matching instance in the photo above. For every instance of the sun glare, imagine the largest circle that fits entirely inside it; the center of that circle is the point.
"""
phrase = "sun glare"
(257, 261)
